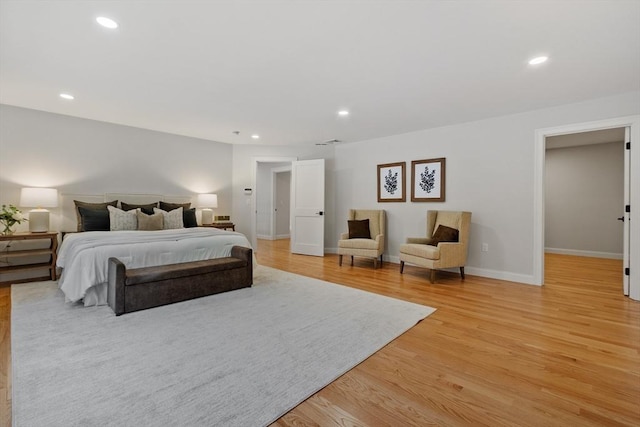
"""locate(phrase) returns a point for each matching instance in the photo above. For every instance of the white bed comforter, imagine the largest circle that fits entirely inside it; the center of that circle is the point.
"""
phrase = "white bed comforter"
(84, 257)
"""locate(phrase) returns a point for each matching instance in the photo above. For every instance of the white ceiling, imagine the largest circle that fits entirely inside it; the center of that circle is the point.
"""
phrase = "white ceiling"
(282, 69)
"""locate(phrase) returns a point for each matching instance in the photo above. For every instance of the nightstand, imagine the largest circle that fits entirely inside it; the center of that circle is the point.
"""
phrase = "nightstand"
(6, 256)
(221, 225)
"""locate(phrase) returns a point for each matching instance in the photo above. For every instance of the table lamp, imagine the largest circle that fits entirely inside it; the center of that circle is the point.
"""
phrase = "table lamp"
(39, 198)
(206, 202)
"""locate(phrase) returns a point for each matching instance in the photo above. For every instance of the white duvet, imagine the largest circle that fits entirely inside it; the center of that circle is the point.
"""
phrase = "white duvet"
(84, 257)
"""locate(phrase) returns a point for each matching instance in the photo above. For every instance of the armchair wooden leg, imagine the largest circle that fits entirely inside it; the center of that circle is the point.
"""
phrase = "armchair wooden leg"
(351, 260)
(433, 276)
(340, 260)
(462, 272)
(380, 261)
(401, 266)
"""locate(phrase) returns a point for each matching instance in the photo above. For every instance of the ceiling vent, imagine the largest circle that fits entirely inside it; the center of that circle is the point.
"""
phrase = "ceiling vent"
(328, 142)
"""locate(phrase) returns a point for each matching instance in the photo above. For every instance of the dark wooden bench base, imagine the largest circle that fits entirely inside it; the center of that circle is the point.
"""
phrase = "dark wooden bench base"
(147, 287)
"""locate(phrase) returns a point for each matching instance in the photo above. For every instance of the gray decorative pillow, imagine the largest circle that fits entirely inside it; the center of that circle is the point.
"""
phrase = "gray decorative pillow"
(122, 220)
(149, 222)
(172, 219)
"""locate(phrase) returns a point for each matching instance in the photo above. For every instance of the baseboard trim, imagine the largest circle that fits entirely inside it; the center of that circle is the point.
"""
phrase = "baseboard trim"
(526, 279)
(264, 237)
(590, 254)
(283, 236)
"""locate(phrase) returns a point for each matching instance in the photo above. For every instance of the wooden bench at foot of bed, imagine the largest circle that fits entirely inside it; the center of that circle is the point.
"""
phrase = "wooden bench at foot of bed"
(140, 288)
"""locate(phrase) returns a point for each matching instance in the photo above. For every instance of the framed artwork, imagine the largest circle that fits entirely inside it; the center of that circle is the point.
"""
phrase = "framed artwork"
(427, 180)
(391, 182)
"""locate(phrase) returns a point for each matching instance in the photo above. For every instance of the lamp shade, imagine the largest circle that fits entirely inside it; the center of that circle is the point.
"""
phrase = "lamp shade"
(207, 201)
(39, 197)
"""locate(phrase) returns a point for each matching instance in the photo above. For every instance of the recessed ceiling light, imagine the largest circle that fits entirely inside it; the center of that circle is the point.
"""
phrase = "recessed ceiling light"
(107, 22)
(255, 136)
(538, 60)
(66, 96)
(343, 113)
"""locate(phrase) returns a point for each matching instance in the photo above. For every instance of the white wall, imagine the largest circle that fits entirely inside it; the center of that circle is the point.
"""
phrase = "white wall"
(79, 156)
(584, 188)
(490, 172)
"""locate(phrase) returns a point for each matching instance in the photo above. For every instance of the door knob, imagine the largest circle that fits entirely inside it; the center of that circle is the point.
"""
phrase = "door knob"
(621, 219)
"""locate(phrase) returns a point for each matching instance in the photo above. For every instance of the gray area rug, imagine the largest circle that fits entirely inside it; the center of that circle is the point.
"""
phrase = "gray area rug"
(242, 358)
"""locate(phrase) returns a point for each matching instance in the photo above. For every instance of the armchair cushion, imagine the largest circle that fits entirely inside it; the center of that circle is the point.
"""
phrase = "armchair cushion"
(444, 234)
(420, 250)
(359, 229)
(359, 244)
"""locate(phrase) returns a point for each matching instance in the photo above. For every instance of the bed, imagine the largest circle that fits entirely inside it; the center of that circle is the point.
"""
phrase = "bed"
(83, 256)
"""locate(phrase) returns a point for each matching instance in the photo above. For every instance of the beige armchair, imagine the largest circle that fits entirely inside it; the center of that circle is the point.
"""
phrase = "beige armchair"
(371, 248)
(420, 251)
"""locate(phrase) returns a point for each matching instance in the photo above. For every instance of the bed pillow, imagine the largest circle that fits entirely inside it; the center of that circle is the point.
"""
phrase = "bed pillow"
(94, 219)
(359, 229)
(189, 218)
(148, 208)
(444, 234)
(171, 219)
(122, 220)
(168, 207)
(149, 222)
(93, 206)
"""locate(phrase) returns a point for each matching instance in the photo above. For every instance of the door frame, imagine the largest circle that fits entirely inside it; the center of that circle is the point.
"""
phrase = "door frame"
(254, 168)
(633, 122)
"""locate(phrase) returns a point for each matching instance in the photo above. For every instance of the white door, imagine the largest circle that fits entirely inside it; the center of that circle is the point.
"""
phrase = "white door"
(307, 207)
(626, 216)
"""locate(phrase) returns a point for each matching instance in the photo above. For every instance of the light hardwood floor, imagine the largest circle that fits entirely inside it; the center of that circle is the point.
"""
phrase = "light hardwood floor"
(494, 353)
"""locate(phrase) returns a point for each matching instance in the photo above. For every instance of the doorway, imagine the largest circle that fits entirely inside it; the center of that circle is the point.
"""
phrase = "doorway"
(262, 207)
(306, 203)
(584, 194)
(631, 283)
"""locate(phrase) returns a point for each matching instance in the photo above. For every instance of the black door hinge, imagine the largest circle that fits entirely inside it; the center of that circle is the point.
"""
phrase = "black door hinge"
(626, 271)
(627, 208)
(629, 145)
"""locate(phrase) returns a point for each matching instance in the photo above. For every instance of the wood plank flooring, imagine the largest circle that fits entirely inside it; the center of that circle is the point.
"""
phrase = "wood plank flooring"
(495, 353)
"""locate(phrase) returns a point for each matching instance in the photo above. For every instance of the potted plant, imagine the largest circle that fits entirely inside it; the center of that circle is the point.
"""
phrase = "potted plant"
(10, 216)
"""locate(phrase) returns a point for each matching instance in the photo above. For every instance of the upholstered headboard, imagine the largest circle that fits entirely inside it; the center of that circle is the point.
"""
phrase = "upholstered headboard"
(68, 210)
